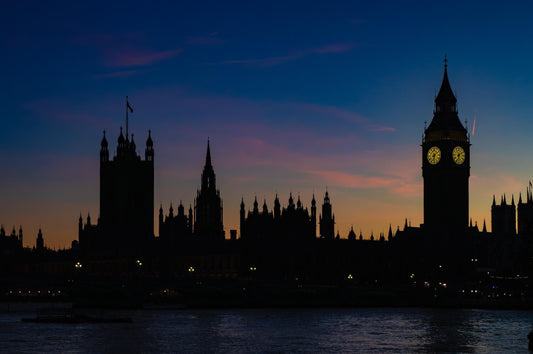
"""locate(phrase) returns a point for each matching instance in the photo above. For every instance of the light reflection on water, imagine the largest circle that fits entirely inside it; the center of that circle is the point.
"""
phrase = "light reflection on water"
(277, 330)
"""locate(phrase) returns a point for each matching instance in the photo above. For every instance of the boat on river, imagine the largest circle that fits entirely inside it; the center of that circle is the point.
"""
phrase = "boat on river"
(62, 315)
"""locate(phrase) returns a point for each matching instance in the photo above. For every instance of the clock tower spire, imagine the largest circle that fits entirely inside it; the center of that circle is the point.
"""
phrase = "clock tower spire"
(445, 164)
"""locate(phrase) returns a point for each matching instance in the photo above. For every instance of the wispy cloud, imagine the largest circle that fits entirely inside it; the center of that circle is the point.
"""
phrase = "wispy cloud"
(211, 39)
(50, 109)
(123, 73)
(344, 114)
(126, 50)
(271, 61)
(335, 48)
(347, 180)
(137, 57)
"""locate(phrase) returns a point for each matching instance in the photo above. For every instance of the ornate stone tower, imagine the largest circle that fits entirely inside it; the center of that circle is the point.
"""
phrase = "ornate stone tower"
(208, 205)
(327, 220)
(126, 194)
(446, 164)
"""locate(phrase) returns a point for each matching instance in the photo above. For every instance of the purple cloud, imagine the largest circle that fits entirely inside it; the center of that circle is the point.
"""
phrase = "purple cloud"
(211, 39)
(126, 50)
(334, 48)
(271, 61)
(122, 73)
(136, 57)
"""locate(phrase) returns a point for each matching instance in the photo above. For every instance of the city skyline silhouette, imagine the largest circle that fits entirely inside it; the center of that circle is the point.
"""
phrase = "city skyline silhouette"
(343, 110)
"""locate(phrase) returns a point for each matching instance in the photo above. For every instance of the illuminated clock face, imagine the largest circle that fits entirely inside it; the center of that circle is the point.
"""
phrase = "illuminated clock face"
(458, 155)
(434, 155)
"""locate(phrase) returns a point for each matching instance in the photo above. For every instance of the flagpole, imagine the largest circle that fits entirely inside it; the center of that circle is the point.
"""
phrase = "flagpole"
(126, 117)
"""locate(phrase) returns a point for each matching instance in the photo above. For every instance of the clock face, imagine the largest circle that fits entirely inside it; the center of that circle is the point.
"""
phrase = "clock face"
(458, 155)
(434, 155)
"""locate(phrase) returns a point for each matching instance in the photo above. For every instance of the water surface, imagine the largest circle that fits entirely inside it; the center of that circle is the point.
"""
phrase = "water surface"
(375, 330)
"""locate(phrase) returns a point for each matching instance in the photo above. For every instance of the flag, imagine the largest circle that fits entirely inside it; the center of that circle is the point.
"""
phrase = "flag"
(129, 107)
(530, 184)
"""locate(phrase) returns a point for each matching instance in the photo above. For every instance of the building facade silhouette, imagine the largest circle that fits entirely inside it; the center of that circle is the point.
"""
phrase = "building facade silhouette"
(291, 224)
(174, 229)
(10, 243)
(525, 215)
(503, 217)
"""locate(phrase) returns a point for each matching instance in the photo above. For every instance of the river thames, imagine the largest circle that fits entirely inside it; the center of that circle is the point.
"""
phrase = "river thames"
(276, 330)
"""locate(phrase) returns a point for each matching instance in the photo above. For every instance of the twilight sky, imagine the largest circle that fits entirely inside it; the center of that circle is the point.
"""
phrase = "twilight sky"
(295, 96)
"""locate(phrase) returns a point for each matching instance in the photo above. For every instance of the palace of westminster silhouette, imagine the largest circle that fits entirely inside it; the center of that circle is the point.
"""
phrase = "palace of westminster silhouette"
(286, 239)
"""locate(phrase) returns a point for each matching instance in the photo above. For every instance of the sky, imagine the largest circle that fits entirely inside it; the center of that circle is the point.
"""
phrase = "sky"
(294, 97)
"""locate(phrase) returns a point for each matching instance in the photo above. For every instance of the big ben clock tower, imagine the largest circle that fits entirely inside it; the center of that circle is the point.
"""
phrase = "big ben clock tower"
(445, 164)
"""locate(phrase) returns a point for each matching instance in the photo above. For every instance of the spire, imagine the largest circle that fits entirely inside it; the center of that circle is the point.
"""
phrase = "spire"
(512, 199)
(520, 198)
(149, 142)
(445, 119)
(484, 226)
(120, 140)
(493, 200)
(208, 155)
(351, 234)
(132, 144)
(445, 97)
(265, 208)
(104, 142)
(256, 206)
(208, 174)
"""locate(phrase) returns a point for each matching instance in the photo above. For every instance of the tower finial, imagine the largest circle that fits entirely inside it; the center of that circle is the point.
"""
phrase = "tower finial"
(208, 155)
(445, 62)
